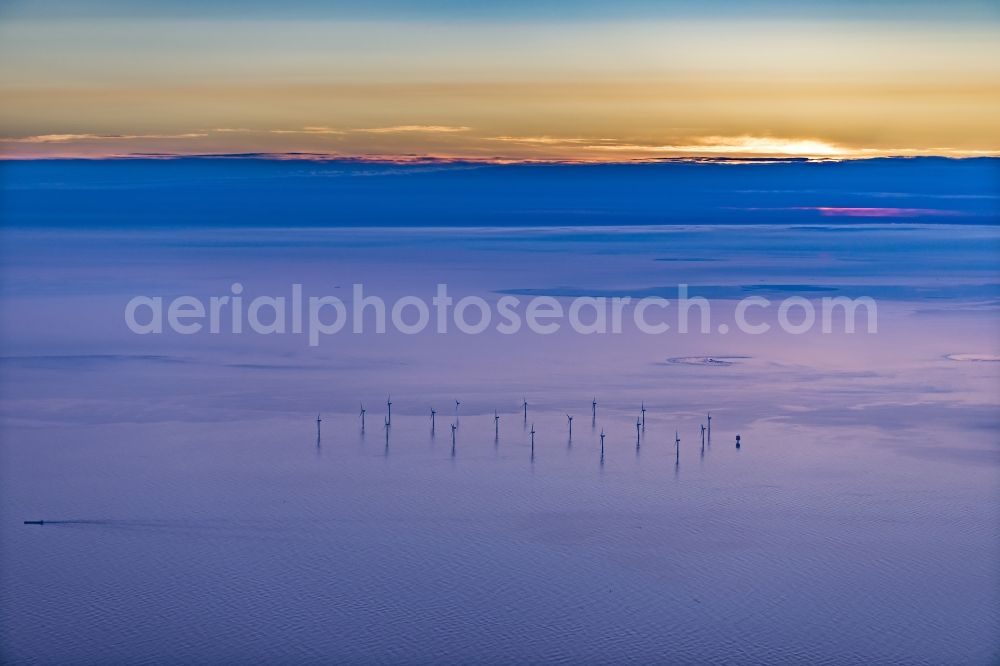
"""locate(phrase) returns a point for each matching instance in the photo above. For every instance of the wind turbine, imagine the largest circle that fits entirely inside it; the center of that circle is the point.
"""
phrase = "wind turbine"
(643, 409)
(432, 420)
(570, 420)
(388, 402)
(453, 429)
(602, 444)
(532, 441)
(677, 448)
(362, 417)
(593, 411)
(318, 421)
(637, 425)
(710, 428)
(457, 403)
(496, 425)
(702, 439)
(525, 409)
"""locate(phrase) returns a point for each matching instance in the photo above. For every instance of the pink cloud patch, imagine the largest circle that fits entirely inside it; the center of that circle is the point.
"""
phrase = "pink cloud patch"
(831, 211)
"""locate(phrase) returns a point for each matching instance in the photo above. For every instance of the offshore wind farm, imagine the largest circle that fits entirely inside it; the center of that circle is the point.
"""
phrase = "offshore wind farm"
(640, 432)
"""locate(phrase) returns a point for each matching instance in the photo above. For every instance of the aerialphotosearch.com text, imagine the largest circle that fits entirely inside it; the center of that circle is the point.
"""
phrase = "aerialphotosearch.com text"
(317, 317)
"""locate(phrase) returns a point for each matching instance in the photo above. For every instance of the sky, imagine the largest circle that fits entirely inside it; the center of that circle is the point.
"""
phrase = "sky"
(539, 80)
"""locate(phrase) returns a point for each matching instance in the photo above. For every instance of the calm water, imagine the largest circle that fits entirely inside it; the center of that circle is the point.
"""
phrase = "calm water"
(200, 521)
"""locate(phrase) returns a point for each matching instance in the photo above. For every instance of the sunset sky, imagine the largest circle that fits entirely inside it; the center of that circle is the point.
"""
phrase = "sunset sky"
(514, 80)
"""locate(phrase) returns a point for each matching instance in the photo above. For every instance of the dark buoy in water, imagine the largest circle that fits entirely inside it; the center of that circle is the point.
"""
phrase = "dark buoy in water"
(737, 441)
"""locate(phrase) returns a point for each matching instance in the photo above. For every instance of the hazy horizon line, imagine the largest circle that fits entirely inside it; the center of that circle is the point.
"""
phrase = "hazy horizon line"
(424, 159)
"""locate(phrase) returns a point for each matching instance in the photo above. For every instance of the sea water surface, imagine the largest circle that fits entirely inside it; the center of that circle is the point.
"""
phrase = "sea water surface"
(193, 515)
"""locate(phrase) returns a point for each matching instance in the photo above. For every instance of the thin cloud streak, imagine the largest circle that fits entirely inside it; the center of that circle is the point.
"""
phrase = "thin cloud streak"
(548, 140)
(433, 129)
(309, 130)
(69, 138)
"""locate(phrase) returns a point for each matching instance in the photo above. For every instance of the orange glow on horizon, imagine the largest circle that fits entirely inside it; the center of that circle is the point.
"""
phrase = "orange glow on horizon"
(473, 147)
